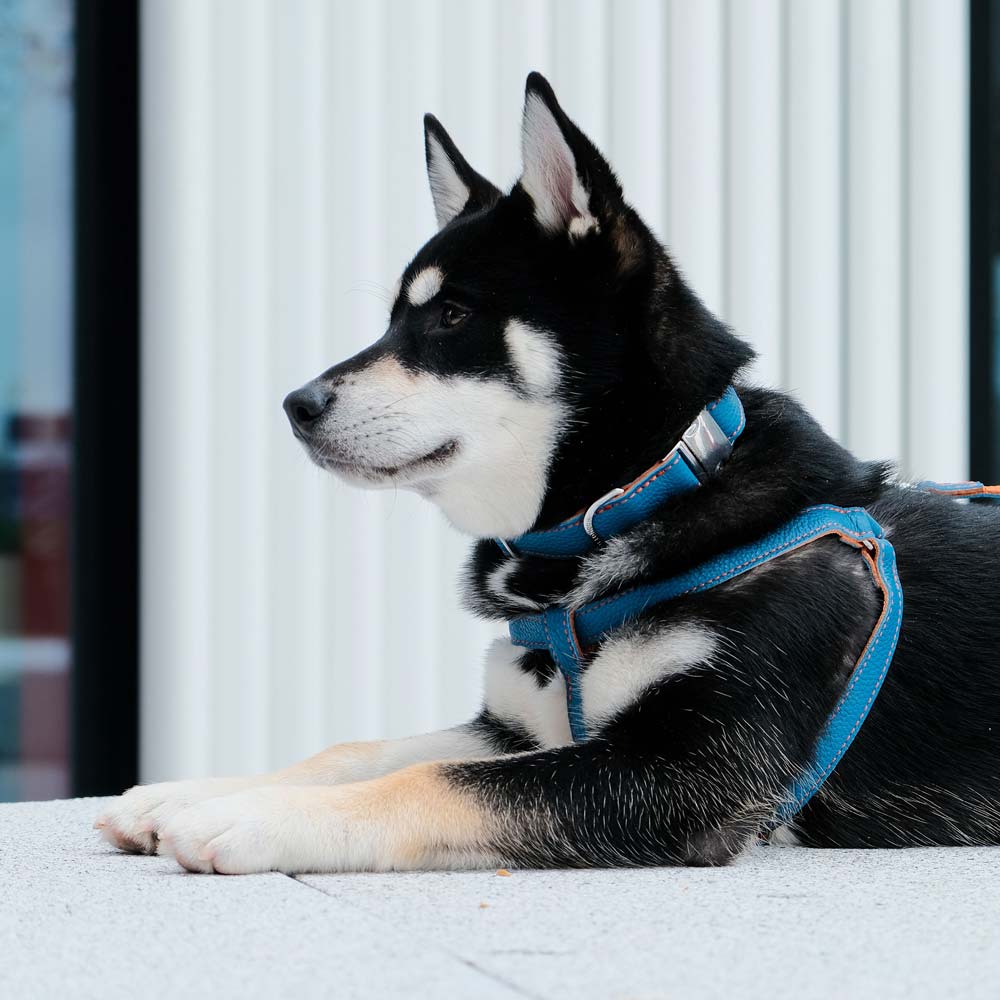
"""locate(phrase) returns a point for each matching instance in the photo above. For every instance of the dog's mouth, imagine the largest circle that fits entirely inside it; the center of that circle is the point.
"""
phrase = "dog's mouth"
(377, 473)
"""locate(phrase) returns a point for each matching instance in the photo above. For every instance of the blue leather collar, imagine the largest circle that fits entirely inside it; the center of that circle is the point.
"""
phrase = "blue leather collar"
(567, 633)
(703, 447)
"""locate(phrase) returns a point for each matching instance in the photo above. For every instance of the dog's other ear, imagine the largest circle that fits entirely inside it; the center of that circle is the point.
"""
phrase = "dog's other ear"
(455, 186)
(572, 186)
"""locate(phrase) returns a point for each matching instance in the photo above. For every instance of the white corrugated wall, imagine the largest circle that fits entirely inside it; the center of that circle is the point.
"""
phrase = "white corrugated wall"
(806, 161)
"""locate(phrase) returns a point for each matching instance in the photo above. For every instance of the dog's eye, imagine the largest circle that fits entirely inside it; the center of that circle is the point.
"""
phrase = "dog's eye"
(452, 315)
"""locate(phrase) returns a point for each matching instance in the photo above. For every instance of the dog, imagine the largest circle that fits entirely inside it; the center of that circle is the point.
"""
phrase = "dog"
(543, 348)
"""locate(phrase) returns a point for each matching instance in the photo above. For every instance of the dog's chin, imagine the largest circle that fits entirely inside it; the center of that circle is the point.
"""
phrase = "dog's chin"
(406, 472)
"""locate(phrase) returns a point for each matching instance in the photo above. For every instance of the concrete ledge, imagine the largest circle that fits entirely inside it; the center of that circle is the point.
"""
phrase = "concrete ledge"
(78, 919)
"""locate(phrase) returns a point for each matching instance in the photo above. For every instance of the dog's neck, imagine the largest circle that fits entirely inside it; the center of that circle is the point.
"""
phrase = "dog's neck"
(783, 463)
(628, 432)
(660, 385)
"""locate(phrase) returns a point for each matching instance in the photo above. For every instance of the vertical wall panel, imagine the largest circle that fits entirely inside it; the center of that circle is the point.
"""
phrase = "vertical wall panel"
(243, 337)
(298, 536)
(805, 162)
(696, 151)
(639, 105)
(874, 374)
(178, 427)
(755, 179)
(524, 37)
(937, 165)
(579, 61)
(813, 210)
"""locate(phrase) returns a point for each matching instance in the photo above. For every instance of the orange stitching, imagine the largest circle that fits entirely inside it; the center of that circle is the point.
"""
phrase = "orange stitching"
(624, 499)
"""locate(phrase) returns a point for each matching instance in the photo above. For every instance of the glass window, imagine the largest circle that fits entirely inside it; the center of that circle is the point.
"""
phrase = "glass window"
(36, 337)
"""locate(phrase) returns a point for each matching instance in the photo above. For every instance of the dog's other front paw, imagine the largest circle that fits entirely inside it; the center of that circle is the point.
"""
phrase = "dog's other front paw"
(132, 822)
(286, 829)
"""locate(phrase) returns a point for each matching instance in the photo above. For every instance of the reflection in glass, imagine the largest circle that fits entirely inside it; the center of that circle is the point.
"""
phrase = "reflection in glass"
(36, 214)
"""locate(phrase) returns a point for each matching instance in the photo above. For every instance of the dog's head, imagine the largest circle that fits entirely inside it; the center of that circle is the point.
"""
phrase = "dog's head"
(539, 347)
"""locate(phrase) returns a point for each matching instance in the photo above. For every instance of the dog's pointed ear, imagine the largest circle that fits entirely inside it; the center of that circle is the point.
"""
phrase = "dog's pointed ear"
(571, 185)
(455, 186)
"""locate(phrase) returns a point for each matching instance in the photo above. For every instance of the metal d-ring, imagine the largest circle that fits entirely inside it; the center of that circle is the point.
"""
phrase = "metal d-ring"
(588, 518)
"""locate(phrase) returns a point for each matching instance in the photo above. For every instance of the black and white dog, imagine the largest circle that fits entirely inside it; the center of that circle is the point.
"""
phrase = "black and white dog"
(543, 348)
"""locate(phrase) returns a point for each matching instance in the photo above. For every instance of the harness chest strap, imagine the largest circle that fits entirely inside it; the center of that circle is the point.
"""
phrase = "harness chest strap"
(567, 633)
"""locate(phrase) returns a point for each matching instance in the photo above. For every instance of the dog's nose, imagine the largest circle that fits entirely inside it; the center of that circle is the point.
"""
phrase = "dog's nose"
(306, 405)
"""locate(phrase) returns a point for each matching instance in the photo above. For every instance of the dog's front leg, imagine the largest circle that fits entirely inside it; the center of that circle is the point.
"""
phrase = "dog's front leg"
(586, 805)
(414, 818)
(133, 821)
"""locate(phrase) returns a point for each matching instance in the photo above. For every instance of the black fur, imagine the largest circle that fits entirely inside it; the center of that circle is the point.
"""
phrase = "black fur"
(691, 771)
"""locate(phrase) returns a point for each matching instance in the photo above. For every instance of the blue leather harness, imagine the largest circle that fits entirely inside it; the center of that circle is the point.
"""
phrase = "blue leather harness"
(567, 633)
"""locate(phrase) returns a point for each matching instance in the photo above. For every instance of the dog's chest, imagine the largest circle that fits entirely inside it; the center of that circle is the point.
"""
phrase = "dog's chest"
(625, 667)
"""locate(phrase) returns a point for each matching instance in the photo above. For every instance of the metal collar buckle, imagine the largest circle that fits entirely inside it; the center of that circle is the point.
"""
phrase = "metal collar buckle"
(704, 446)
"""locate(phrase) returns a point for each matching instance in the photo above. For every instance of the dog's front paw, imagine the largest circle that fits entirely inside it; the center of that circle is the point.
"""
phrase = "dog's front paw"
(132, 821)
(284, 829)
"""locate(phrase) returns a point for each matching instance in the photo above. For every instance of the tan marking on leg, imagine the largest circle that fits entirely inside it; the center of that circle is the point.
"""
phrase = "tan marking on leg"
(426, 820)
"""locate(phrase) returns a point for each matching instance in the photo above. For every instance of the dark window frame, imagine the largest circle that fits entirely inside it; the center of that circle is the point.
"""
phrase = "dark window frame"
(984, 237)
(105, 559)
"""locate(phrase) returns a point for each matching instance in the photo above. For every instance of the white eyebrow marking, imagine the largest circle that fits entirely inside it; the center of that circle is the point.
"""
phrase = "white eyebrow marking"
(424, 286)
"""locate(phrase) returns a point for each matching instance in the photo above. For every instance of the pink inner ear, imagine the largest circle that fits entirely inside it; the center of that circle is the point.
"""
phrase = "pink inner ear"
(563, 179)
(549, 167)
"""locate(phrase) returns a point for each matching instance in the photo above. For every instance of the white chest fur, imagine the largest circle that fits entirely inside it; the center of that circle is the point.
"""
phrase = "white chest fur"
(626, 667)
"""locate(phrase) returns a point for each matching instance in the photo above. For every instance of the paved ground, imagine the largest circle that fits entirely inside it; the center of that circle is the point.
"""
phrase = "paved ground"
(79, 920)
